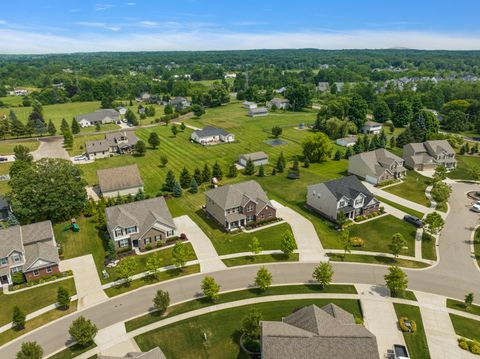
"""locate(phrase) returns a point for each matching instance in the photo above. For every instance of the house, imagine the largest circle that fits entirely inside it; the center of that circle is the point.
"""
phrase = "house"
(339, 86)
(313, 332)
(30, 249)
(377, 166)
(346, 141)
(4, 209)
(155, 353)
(139, 224)
(114, 143)
(257, 112)
(323, 86)
(280, 103)
(281, 90)
(99, 116)
(371, 128)
(210, 135)
(230, 76)
(20, 92)
(180, 103)
(346, 194)
(236, 205)
(119, 181)
(428, 155)
(122, 110)
(258, 158)
(249, 105)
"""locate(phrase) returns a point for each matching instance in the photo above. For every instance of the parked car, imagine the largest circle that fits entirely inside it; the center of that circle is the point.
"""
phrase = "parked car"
(476, 207)
(413, 220)
(3, 159)
(81, 158)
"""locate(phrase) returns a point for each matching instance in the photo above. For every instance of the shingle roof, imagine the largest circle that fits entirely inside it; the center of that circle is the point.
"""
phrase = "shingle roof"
(46, 252)
(35, 232)
(258, 110)
(439, 146)
(118, 178)
(98, 115)
(255, 156)
(10, 240)
(372, 124)
(97, 146)
(209, 131)
(349, 187)
(116, 136)
(376, 161)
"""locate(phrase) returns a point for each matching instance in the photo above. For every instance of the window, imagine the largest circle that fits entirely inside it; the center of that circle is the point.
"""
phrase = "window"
(16, 269)
(250, 218)
(17, 258)
(118, 232)
(250, 208)
(170, 233)
(123, 243)
(36, 272)
(158, 238)
(269, 214)
(48, 269)
(131, 229)
(359, 201)
(3, 261)
(147, 240)
(342, 204)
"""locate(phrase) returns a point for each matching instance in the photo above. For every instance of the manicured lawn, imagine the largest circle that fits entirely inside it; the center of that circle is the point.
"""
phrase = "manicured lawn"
(33, 299)
(376, 260)
(463, 164)
(234, 296)
(412, 188)
(400, 207)
(416, 342)
(264, 258)
(476, 245)
(458, 305)
(72, 352)
(378, 233)
(466, 327)
(5, 169)
(407, 294)
(429, 249)
(6, 148)
(186, 339)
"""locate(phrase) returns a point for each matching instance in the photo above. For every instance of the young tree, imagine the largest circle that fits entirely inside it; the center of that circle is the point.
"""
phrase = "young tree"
(468, 300)
(251, 325)
(306, 162)
(197, 174)
(345, 242)
(441, 192)
(254, 246)
(68, 138)
(337, 156)
(63, 298)
(232, 170)
(281, 162)
(169, 181)
(210, 288)
(185, 178)
(183, 126)
(440, 173)
(261, 171)
(341, 219)
(30, 350)
(323, 274)
(140, 148)
(180, 254)
(249, 168)
(217, 171)
(154, 140)
(75, 126)
(161, 301)
(198, 110)
(263, 280)
(83, 331)
(51, 128)
(22, 153)
(397, 244)
(433, 223)
(318, 147)
(206, 174)
(168, 110)
(126, 268)
(154, 263)
(288, 244)
(163, 160)
(18, 318)
(193, 186)
(277, 131)
(64, 125)
(177, 190)
(98, 127)
(174, 130)
(396, 280)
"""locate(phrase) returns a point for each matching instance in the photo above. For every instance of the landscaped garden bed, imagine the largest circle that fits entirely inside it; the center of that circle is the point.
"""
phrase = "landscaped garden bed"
(43, 280)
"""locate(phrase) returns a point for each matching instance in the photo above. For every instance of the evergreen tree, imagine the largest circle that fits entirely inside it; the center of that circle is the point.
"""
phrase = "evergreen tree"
(206, 174)
(185, 178)
(193, 186)
(177, 190)
(217, 171)
(174, 130)
(281, 163)
(232, 170)
(12, 220)
(306, 163)
(51, 128)
(17, 128)
(393, 142)
(75, 126)
(249, 168)
(337, 156)
(68, 138)
(18, 318)
(348, 152)
(197, 174)
(169, 182)
(98, 127)
(261, 171)
(64, 125)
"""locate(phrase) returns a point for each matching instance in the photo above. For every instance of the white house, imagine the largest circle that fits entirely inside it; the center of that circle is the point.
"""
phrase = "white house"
(280, 103)
(99, 116)
(210, 135)
(230, 76)
(249, 105)
(257, 112)
(372, 128)
(258, 158)
(346, 141)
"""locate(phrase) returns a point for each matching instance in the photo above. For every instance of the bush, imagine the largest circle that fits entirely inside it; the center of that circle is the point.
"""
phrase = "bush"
(183, 237)
(148, 247)
(18, 278)
(405, 328)
(357, 241)
(462, 343)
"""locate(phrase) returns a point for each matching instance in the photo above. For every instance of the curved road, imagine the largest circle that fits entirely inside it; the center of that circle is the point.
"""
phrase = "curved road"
(454, 276)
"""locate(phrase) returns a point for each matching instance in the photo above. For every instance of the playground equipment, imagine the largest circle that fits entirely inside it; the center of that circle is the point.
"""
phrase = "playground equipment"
(73, 226)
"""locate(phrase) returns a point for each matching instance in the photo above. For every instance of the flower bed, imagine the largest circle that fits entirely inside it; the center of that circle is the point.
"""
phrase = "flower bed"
(370, 215)
(388, 183)
(471, 345)
(407, 325)
(46, 279)
(258, 224)
(169, 241)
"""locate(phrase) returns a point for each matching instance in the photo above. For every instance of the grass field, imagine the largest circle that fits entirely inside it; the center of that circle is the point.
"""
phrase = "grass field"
(412, 188)
(463, 165)
(360, 258)
(6, 148)
(185, 339)
(466, 327)
(400, 207)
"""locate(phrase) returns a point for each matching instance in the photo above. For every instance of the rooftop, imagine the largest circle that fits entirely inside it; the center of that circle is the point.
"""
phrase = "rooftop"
(118, 178)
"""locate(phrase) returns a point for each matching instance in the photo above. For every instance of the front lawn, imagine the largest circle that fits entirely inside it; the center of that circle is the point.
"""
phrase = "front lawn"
(466, 327)
(429, 249)
(6, 148)
(464, 163)
(400, 207)
(263, 258)
(72, 352)
(458, 305)
(412, 188)
(186, 339)
(363, 258)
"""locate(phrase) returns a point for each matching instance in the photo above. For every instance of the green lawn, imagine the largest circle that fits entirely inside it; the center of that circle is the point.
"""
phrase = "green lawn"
(429, 249)
(6, 148)
(463, 164)
(72, 352)
(400, 207)
(466, 327)
(458, 305)
(5, 169)
(264, 258)
(185, 339)
(476, 245)
(234, 296)
(376, 260)
(33, 299)
(412, 188)
(416, 342)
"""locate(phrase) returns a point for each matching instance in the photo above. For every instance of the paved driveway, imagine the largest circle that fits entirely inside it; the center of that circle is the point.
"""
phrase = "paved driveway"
(50, 148)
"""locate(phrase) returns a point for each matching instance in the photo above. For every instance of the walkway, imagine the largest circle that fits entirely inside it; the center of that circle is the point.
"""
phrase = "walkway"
(203, 247)
(87, 282)
(428, 194)
(50, 147)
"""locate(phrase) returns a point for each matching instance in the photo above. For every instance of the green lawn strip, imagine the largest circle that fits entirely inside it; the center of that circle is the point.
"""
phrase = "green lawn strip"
(400, 207)
(185, 339)
(416, 342)
(263, 258)
(429, 249)
(459, 305)
(363, 258)
(37, 322)
(235, 296)
(32, 299)
(464, 163)
(161, 276)
(407, 294)
(412, 188)
(476, 245)
(72, 352)
(5, 169)
(466, 327)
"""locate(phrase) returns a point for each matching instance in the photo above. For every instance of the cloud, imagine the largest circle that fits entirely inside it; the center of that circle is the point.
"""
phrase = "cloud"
(98, 25)
(249, 23)
(101, 7)
(149, 24)
(130, 4)
(75, 10)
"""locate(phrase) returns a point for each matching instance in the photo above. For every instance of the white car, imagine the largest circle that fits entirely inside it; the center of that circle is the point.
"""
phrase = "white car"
(476, 207)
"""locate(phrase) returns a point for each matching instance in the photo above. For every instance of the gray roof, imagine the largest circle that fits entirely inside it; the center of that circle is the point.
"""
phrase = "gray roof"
(115, 137)
(111, 139)
(255, 156)
(258, 110)
(438, 147)
(97, 146)
(46, 252)
(372, 124)
(155, 353)
(416, 147)
(311, 332)
(280, 100)
(239, 194)
(376, 161)
(209, 131)
(98, 115)
(349, 187)
(36, 232)
(143, 214)
(10, 240)
(118, 178)
(178, 100)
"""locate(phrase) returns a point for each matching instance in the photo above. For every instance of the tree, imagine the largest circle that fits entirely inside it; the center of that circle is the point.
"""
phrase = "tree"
(396, 280)
(12, 220)
(277, 131)
(83, 331)
(161, 301)
(317, 148)
(154, 263)
(382, 112)
(174, 130)
(440, 173)
(249, 168)
(22, 153)
(433, 223)
(18, 318)
(337, 156)
(261, 171)
(198, 110)
(30, 350)
(197, 174)
(296, 165)
(177, 190)
(51, 128)
(169, 181)
(17, 128)
(397, 244)
(206, 174)
(63, 297)
(263, 280)
(163, 160)
(306, 162)
(299, 96)
(140, 148)
(254, 246)
(64, 125)
(183, 126)
(68, 138)
(468, 300)
(193, 186)
(402, 115)
(441, 192)
(131, 117)
(210, 288)
(341, 218)
(217, 171)
(168, 110)
(345, 242)
(474, 172)
(185, 178)
(49, 189)
(232, 170)
(126, 268)
(154, 140)
(75, 126)
(288, 244)
(98, 127)
(251, 325)
(323, 274)
(357, 111)
(180, 254)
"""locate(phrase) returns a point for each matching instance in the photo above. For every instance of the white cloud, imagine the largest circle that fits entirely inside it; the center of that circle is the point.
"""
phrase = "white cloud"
(98, 25)
(100, 7)
(2, 22)
(130, 3)
(17, 41)
(149, 24)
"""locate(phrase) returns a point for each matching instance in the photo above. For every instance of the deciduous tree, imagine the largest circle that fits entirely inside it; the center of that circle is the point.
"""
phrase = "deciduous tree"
(83, 331)
(323, 274)
(263, 280)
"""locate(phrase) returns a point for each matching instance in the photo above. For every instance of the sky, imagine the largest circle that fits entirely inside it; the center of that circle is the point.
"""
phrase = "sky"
(64, 26)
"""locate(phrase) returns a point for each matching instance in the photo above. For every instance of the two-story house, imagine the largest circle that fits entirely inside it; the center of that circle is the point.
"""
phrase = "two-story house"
(346, 194)
(114, 143)
(30, 249)
(428, 155)
(371, 128)
(377, 166)
(142, 223)
(180, 103)
(238, 204)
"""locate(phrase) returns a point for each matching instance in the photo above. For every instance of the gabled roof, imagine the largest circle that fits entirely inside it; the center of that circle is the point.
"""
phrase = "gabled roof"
(438, 147)
(35, 232)
(255, 156)
(10, 240)
(209, 131)
(98, 115)
(349, 187)
(46, 252)
(372, 124)
(114, 137)
(97, 146)
(376, 161)
(118, 178)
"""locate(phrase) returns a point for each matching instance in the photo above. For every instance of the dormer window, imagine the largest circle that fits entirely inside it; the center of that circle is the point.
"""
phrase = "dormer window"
(250, 208)
(16, 258)
(342, 204)
(118, 232)
(3, 261)
(131, 230)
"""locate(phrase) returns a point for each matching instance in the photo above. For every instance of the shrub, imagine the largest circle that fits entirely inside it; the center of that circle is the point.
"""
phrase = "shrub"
(148, 247)
(18, 278)
(183, 237)
(357, 241)
(405, 328)
(475, 348)
(462, 343)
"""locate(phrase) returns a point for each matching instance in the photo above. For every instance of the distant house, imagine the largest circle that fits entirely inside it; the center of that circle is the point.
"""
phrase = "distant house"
(180, 103)
(428, 155)
(281, 90)
(20, 92)
(257, 112)
(139, 224)
(236, 205)
(249, 105)
(371, 128)
(230, 76)
(377, 166)
(258, 158)
(339, 86)
(4, 209)
(347, 194)
(280, 103)
(155, 353)
(122, 110)
(30, 249)
(119, 181)
(211, 136)
(99, 116)
(114, 143)
(323, 86)
(313, 332)
(346, 141)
